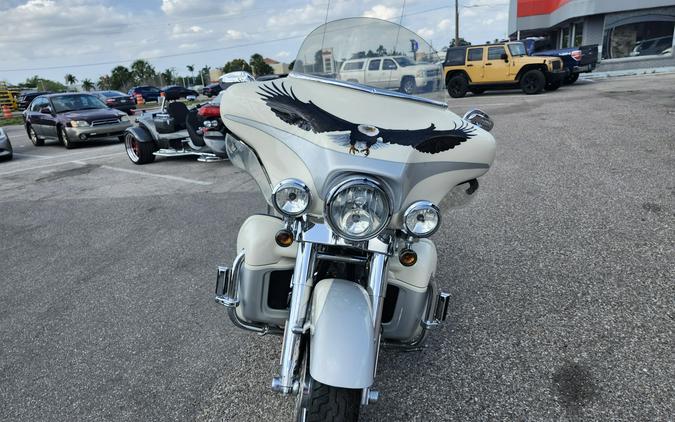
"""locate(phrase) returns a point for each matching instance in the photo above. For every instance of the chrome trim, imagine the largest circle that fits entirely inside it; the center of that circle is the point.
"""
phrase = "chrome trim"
(479, 118)
(322, 234)
(302, 282)
(290, 183)
(345, 184)
(341, 258)
(368, 89)
(417, 206)
(377, 288)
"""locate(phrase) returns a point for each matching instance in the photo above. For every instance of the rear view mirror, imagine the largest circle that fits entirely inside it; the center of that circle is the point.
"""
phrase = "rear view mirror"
(505, 57)
(46, 110)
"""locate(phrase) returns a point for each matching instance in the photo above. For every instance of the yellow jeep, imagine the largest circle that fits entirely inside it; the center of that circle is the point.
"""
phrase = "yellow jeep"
(478, 68)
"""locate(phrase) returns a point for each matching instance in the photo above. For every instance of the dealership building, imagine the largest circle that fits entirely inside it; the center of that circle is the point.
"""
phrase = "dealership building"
(630, 33)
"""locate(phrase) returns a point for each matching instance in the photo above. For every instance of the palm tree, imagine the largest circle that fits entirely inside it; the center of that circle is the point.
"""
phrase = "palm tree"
(70, 79)
(87, 85)
(191, 69)
(143, 71)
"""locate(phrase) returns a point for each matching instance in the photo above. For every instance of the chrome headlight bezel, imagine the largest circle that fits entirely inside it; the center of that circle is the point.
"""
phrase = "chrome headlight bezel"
(421, 206)
(349, 183)
(291, 184)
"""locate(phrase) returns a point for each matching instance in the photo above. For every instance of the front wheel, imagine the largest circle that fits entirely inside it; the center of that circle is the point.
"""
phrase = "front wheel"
(571, 78)
(318, 402)
(63, 137)
(458, 85)
(408, 85)
(553, 85)
(533, 82)
(139, 152)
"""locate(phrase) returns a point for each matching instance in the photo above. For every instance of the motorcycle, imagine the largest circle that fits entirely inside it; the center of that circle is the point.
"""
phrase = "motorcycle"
(356, 176)
(176, 131)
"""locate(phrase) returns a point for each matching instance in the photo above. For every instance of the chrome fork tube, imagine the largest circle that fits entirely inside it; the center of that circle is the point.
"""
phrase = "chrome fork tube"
(302, 283)
(377, 288)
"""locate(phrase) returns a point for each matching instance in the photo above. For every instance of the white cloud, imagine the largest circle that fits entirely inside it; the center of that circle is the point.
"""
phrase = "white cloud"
(380, 11)
(205, 7)
(233, 34)
(283, 55)
(425, 32)
(445, 24)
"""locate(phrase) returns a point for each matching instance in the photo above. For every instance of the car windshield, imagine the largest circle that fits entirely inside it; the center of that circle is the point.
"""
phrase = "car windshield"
(517, 49)
(110, 94)
(63, 103)
(340, 49)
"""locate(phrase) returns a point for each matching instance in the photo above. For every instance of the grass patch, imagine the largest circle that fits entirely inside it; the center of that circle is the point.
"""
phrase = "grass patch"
(11, 121)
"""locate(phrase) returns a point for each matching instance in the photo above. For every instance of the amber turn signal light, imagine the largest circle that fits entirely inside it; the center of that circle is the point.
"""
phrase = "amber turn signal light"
(284, 238)
(407, 257)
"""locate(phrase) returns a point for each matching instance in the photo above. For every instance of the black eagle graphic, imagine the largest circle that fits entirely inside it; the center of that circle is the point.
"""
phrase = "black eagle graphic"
(310, 117)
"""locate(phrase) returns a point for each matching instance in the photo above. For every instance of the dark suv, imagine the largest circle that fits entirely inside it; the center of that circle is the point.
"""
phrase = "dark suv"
(148, 92)
(26, 97)
(72, 117)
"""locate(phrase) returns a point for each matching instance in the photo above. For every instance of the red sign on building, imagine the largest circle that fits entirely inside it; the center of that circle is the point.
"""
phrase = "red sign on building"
(538, 7)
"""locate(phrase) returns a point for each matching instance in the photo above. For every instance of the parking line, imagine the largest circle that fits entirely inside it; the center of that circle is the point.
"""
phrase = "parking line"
(163, 176)
(60, 163)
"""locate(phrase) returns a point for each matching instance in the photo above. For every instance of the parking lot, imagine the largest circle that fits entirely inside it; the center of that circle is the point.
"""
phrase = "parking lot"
(561, 276)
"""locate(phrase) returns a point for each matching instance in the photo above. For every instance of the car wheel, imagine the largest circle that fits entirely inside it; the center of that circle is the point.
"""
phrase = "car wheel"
(571, 78)
(458, 85)
(408, 85)
(63, 138)
(139, 152)
(553, 85)
(34, 138)
(533, 82)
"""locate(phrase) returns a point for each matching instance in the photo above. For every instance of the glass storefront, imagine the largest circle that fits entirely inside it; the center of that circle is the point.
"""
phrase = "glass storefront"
(638, 37)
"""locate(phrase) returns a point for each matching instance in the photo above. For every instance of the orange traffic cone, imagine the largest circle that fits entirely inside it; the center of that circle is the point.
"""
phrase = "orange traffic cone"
(139, 99)
(6, 112)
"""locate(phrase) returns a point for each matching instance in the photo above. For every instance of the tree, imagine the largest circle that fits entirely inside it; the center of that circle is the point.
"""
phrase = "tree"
(87, 85)
(70, 79)
(462, 42)
(259, 66)
(236, 65)
(44, 84)
(191, 69)
(168, 76)
(142, 71)
(120, 78)
(104, 82)
(205, 74)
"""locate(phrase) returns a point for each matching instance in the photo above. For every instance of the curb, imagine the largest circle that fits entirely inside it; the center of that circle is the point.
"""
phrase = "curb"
(628, 72)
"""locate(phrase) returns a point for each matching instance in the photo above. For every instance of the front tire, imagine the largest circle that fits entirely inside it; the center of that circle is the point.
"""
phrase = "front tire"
(458, 86)
(553, 85)
(571, 78)
(408, 85)
(317, 402)
(137, 151)
(63, 137)
(533, 82)
(32, 135)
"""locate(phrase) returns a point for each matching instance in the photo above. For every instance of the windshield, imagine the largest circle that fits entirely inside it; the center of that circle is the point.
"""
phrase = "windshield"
(372, 52)
(64, 103)
(517, 49)
(113, 94)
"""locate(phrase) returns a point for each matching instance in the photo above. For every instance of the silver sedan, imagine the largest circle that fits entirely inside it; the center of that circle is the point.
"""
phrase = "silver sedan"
(5, 146)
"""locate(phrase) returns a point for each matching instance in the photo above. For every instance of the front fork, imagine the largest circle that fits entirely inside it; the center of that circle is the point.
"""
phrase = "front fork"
(302, 283)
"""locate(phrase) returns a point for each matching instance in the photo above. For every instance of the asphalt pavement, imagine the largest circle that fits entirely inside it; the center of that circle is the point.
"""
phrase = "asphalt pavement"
(561, 275)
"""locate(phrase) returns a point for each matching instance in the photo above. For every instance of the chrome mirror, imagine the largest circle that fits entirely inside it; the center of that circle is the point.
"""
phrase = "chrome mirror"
(480, 119)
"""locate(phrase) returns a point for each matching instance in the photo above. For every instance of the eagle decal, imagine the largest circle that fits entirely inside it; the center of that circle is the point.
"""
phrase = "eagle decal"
(360, 138)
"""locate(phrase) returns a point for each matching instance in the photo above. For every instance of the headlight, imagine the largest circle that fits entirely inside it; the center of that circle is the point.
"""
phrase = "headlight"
(291, 197)
(78, 123)
(420, 73)
(358, 209)
(124, 118)
(421, 219)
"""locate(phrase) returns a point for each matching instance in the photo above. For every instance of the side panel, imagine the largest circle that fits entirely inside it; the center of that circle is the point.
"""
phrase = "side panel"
(342, 345)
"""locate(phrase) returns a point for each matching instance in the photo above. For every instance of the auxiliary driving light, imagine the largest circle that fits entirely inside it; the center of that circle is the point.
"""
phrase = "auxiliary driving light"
(407, 257)
(284, 238)
(291, 197)
(421, 219)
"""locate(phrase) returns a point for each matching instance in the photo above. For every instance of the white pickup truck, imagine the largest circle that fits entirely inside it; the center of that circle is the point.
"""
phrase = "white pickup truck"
(392, 72)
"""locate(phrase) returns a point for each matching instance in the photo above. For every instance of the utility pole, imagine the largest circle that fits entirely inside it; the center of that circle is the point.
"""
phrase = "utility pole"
(456, 23)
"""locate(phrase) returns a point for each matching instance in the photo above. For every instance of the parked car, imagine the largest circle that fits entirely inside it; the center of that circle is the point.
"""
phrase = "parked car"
(176, 92)
(117, 100)
(148, 92)
(392, 72)
(26, 97)
(212, 90)
(653, 46)
(576, 59)
(69, 118)
(478, 68)
(6, 152)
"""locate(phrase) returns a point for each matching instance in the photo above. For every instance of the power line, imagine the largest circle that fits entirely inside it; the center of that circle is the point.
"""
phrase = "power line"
(192, 53)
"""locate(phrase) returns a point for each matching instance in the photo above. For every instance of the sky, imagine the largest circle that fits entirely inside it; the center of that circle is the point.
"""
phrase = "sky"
(87, 38)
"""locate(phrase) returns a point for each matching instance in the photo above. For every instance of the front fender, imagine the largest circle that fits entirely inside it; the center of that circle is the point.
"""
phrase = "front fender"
(342, 344)
(139, 133)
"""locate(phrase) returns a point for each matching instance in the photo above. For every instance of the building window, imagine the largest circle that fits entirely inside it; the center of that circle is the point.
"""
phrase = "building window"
(578, 34)
(646, 36)
(565, 37)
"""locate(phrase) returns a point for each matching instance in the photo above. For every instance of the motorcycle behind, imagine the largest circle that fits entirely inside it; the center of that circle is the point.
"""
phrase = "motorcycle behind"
(358, 173)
